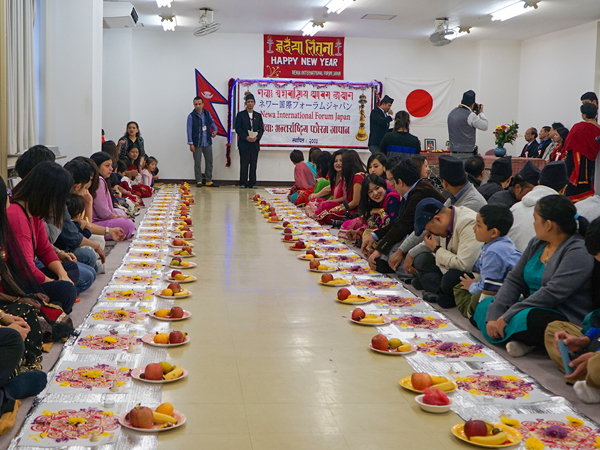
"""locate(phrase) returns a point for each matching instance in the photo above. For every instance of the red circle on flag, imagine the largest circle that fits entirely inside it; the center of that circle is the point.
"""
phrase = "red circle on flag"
(419, 103)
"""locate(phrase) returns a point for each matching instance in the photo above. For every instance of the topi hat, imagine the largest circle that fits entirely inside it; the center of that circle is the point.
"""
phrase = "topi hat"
(530, 173)
(249, 97)
(468, 98)
(554, 175)
(502, 168)
(452, 170)
(386, 99)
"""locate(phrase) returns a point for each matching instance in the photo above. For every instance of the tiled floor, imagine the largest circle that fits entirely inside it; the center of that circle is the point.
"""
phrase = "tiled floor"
(273, 361)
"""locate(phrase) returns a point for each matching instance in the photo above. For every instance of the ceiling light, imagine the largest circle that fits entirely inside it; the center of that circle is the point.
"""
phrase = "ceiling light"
(311, 28)
(161, 3)
(168, 22)
(516, 9)
(337, 6)
(378, 17)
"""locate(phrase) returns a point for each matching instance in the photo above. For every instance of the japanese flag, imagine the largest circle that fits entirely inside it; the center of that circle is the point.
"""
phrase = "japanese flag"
(427, 101)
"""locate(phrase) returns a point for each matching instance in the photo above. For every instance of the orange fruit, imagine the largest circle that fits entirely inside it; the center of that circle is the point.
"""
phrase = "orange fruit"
(167, 292)
(165, 408)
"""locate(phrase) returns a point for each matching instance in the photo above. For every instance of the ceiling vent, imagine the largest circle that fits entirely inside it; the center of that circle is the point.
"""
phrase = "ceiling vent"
(119, 15)
(207, 23)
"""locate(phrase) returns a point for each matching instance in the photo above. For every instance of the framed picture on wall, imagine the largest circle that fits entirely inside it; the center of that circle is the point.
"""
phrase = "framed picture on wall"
(429, 145)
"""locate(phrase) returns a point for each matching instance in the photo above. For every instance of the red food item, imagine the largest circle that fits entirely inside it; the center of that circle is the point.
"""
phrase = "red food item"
(380, 342)
(141, 417)
(358, 314)
(343, 294)
(435, 396)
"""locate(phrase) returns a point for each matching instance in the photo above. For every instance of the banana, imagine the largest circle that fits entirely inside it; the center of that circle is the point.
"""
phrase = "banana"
(175, 373)
(495, 439)
(372, 320)
(182, 293)
(445, 386)
(438, 380)
(163, 418)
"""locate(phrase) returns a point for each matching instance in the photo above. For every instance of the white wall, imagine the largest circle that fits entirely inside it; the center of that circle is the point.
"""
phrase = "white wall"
(161, 83)
(71, 79)
(555, 70)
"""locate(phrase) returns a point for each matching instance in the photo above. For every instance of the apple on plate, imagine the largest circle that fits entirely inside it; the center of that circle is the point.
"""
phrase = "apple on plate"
(358, 314)
(176, 337)
(175, 287)
(287, 237)
(188, 221)
(475, 428)
(313, 264)
(175, 272)
(326, 278)
(188, 249)
(188, 235)
(286, 224)
(287, 230)
(380, 342)
(177, 242)
(421, 381)
(343, 293)
(300, 244)
(176, 312)
(310, 251)
(153, 371)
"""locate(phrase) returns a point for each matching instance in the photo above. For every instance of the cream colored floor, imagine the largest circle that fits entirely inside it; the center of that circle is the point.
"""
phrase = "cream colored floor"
(273, 362)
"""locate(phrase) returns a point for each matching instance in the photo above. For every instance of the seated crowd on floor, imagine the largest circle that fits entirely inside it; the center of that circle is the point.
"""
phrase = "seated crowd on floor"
(519, 256)
(54, 226)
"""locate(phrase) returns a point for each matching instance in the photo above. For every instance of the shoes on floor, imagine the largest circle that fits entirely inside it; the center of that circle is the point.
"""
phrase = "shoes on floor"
(242, 186)
(211, 184)
(586, 393)
(336, 223)
(517, 349)
(430, 297)
(252, 187)
(101, 268)
(199, 184)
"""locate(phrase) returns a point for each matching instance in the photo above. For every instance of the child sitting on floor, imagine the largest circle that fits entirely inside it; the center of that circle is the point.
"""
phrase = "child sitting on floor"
(498, 257)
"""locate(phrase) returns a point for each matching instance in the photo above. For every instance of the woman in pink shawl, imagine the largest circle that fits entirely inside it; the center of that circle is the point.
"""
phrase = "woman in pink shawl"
(304, 177)
(582, 148)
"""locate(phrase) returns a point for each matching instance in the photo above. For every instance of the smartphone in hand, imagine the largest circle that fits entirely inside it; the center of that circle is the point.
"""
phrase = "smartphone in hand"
(566, 357)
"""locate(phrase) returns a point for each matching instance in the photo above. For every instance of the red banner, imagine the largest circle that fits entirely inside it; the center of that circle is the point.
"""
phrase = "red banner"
(315, 58)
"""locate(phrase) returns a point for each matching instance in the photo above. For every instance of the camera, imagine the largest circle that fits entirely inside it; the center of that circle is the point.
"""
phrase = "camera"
(476, 108)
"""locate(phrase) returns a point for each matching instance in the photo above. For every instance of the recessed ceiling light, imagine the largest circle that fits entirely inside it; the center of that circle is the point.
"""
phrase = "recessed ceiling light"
(378, 17)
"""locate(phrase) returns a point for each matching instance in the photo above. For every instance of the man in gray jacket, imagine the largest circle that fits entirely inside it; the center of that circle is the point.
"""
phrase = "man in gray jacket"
(462, 123)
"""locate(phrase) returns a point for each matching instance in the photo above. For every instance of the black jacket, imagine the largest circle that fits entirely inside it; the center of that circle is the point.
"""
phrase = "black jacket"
(379, 124)
(243, 125)
(530, 150)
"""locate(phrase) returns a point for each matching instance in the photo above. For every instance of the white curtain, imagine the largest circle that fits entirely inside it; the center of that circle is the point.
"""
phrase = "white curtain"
(21, 100)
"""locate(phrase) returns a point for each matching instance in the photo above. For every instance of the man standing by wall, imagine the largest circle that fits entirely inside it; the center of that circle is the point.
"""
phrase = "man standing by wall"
(249, 128)
(462, 123)
(201, 129)
(380, 123)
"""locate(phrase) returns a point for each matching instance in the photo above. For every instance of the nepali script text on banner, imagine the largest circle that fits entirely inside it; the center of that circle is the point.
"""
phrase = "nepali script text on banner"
(315, 58)
(310, 114)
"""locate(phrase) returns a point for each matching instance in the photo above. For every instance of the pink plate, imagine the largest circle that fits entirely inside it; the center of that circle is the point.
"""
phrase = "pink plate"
(182, 256)
(186, 315)
(386, 321)
(168, 278)
(172, 297)
(334, 285)
(179, 246)
(135, 374)
(155, 428)
(149, 339)
(413, 347)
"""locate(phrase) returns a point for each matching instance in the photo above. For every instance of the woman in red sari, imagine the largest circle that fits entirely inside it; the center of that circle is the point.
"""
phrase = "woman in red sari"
(558, 152)
(133, 165)
(345, 197)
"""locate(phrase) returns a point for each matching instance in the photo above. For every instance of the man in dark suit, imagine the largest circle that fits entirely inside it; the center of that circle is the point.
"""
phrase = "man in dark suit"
(545, 141)
(249, 128)
(530, 149)
(413, 189)
(380, 123)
